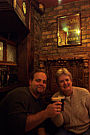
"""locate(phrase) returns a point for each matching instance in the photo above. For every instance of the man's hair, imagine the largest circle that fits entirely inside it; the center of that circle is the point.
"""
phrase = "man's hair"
(62, 71)
(31, 76)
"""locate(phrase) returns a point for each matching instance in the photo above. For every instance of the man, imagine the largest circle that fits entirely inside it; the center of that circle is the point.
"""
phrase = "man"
(21, 111)
(75, 119)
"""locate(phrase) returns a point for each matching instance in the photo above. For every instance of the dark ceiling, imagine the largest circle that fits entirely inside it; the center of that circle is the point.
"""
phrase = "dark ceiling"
(53, 3)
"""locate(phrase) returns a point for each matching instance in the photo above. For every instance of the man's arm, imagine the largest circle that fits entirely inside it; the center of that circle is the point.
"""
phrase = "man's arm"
(33, 120)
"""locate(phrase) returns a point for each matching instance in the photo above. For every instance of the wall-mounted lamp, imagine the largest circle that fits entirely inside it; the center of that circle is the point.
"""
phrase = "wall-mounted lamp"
(41, 8)
(59, 1)
(38, 6)
(24, 7)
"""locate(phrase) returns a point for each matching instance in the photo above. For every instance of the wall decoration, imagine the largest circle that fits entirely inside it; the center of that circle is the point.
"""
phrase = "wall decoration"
(1, 51)
(69, 31)
(11, 53)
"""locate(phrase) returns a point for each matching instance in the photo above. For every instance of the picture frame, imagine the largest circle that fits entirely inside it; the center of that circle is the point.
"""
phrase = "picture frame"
(69, 30)
(1, 50)
(8, 51)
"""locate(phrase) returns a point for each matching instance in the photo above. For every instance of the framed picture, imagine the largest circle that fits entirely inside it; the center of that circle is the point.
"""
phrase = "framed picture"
(69, 30)
(8, 51)
(1, 50)
(11, 53)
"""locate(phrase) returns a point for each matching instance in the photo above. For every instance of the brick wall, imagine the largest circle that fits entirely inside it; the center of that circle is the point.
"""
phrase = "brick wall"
(49, 31)
(46, 48)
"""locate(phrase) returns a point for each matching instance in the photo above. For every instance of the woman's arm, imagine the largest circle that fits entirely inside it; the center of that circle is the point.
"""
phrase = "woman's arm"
(58, 120)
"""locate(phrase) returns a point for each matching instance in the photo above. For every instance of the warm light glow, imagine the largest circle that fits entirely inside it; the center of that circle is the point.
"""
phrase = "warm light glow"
(1, 46)
(65, 29)
(14, 3)
(24, 7)
(59, 1)
(78, 31)
(41, 6)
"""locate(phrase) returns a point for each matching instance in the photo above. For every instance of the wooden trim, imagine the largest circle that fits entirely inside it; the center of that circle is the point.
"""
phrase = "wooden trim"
(89, 73)
(7, 41)
(8, 63)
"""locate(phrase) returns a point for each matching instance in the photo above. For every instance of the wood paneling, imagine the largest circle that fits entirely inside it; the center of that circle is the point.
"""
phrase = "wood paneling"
(53, 3)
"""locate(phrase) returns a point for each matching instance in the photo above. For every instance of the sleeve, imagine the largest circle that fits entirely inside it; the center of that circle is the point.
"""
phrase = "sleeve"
(88, 103)
(17, 113)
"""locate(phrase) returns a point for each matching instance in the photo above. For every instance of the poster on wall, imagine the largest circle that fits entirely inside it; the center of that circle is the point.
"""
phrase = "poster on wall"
(69, 30)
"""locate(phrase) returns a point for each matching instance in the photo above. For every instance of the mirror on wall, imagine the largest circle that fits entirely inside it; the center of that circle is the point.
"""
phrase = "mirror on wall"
(69, 30)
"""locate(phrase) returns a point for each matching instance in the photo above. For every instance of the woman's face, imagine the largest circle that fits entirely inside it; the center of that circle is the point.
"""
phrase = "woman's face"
(65, 84)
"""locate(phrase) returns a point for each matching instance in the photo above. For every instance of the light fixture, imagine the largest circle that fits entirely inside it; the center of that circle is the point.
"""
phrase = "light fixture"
(38, 6)
(41, 7)
(59, 1)
(24, 7)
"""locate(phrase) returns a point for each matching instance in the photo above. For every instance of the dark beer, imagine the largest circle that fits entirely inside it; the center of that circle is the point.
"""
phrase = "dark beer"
(60, 99)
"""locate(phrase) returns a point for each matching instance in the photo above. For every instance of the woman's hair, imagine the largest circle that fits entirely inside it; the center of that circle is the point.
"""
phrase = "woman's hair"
(62, 71)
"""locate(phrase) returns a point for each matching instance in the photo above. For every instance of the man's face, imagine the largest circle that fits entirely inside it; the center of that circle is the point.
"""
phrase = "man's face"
(65, 84)
(38, 84)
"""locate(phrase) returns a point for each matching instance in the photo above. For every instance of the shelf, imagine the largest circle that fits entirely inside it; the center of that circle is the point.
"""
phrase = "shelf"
(12, 20)
(8, 63)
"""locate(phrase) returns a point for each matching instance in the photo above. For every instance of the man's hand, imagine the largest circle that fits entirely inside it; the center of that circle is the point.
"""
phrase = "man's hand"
(53, 109)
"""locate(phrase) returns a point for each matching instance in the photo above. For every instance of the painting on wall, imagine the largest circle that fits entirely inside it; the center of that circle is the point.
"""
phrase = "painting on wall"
(69, 30)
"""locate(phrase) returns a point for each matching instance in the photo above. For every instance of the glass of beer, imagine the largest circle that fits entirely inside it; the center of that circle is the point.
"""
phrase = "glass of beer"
(59, 99)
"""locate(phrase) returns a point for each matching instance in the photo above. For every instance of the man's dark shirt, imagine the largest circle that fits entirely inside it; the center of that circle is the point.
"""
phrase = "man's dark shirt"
(14, 109)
